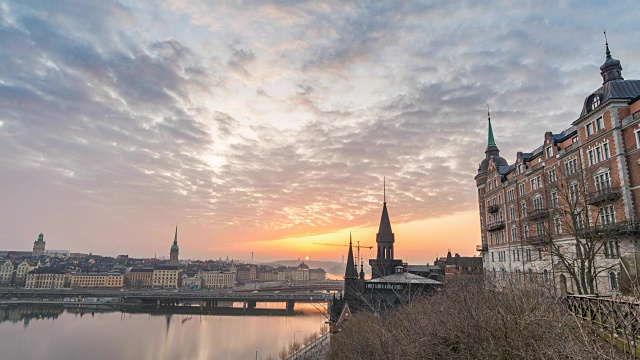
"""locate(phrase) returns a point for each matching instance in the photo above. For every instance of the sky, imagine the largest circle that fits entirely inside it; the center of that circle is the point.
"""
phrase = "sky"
(269, 126)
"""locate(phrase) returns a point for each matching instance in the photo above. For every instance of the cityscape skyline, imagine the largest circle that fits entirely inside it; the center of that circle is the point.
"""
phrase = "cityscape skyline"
(268, 127)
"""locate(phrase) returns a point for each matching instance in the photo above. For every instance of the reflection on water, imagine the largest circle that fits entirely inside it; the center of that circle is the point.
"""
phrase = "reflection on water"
(54, 332)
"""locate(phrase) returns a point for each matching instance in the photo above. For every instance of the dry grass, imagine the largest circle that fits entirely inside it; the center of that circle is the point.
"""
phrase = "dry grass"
(474, 320)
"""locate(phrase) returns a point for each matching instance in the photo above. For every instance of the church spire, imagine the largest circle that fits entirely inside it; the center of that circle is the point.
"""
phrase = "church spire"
(175, 237)
(491, 141)
(351, 271)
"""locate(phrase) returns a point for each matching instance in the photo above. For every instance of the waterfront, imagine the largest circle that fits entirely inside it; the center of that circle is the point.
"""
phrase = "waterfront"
(53, 332)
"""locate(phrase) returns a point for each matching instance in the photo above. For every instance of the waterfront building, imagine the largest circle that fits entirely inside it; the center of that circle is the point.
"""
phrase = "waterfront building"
(317, 274)
(218, 279)
(460, 265)
(38, 246)
(166, 276)
(6, 272)
(575, 196)
(245, 272)
(191, 280)
(300, 275)
(97, 280)
(46, 278)
(173, 254)
(139, 277)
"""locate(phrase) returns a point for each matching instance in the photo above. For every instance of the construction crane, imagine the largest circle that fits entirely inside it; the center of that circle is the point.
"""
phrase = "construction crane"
(358, 246)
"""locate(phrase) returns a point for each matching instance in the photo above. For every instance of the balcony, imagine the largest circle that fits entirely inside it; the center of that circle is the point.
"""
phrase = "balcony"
(624, 228)
(493, 209)
(482, 247)
(537, 214)
(495, 226)
(604, 195)
(536, 239)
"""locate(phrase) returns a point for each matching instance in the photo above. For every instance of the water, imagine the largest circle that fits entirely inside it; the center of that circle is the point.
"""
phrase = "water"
(50, 332)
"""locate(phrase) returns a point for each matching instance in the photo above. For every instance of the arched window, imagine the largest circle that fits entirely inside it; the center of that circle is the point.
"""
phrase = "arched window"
(595, 102)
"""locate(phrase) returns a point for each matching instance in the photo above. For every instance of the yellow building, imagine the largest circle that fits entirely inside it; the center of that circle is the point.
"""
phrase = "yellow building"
(43, 278)
(166, 276)
(139, 278)
(97, 280)
(218, 279)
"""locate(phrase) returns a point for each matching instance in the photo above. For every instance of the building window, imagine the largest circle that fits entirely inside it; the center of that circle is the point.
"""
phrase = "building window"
(595, 102)
(512, 212)
(612, 249)
(519, 169)
(540, 228)
(537, 203)
(521, 188)
(602, 181)
(589, 129)
(613, 281)
(513, 234)
(571, 166)
(554, 199)
(558, 225)
(549, 152)
(524, 208)
(527, 254)
(525, 230)
(552, 175)
(599, 124)
(499, 199)
(510, 196)
(637, 132)
(607, 215)
(599, 153)
(573, 192)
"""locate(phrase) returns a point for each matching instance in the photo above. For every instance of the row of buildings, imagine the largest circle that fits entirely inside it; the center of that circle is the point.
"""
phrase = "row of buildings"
(567, 211)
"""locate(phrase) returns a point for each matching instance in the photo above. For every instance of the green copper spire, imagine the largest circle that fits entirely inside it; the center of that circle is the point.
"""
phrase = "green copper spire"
(491, 141)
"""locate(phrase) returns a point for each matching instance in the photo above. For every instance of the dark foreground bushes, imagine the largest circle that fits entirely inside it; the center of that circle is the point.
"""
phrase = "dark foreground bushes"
(472, 320)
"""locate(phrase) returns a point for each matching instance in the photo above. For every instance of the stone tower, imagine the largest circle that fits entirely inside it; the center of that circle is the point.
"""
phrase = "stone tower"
(38, 246)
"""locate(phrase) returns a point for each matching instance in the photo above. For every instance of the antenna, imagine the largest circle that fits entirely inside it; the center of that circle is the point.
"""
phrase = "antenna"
(384, 190)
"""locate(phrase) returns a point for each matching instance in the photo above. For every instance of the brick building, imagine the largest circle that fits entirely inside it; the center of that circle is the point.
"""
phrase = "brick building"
(581, 183)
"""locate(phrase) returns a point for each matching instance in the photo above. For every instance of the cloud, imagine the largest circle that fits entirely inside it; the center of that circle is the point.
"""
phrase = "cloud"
(259, 120)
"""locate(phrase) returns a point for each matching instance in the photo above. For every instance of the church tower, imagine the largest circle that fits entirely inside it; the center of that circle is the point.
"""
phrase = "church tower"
(173, 255)
(38, 246)
(384, 263)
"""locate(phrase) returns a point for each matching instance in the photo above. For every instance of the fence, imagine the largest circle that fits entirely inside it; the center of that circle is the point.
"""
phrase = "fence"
(618, 319)
(315, 350)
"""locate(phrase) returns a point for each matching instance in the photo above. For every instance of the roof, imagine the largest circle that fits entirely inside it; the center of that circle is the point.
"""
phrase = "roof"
(422, 268)
(613, 90)
(141, 270)
(166, 267)
(404, 278)
(385, 235)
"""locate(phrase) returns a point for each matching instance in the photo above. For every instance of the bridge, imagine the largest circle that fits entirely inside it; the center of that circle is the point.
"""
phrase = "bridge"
(160, 298)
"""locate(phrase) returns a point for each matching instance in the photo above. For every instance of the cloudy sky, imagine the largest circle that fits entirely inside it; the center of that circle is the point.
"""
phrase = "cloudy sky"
(268, 126)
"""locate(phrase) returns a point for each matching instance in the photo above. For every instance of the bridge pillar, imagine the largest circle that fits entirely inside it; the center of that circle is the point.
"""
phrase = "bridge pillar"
(251, 304)
(290, 305)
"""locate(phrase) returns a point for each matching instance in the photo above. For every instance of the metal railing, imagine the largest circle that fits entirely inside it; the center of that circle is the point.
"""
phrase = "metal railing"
(496, 226)
(539, 213)
(604, 195)
(493, 208)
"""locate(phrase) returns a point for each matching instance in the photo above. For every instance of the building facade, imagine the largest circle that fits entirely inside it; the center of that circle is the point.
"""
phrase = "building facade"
(218, 279)
(97, 280)
(578, 193)
(139, 278)
(166, 276)
(44, 278)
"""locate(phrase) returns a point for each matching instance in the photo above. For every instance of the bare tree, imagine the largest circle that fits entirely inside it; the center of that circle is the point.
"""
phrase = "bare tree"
(580, 230)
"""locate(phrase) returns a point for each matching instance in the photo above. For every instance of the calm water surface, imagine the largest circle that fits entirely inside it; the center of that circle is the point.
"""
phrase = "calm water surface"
(39, 332)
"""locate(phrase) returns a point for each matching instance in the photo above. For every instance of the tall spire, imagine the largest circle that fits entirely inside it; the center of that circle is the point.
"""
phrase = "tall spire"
(350, 272)
(491, 141)
(611, 69)
(175, 237)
